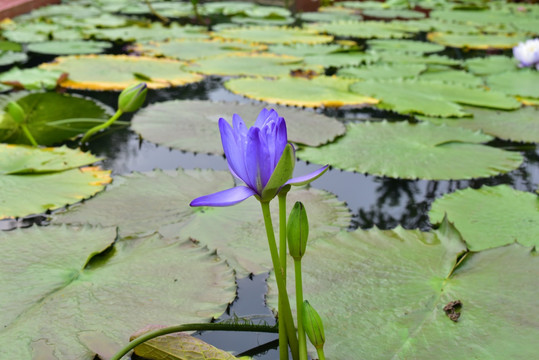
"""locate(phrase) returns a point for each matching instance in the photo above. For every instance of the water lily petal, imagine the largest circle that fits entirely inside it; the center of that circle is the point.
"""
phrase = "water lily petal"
(305, 179)
(226, 197)
(234, 157)
(252, 155)
(262, 117)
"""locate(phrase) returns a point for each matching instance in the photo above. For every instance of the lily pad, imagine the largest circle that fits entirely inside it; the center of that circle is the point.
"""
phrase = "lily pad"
(70, 292)
(195, 49)
(116, 72)
(154, 31)
(11, 57)
(491, 216)
(43, 123)
(327, 16)
(69, 47)
(227, 8)
(268, 65)
(406, 46)
(522, 83)
(432, 97)
(518, 125)
(191, 125)
(382, 71)
(411, 58)
(270, 21)
(319, 91)
(452, 76)
(301, 50)
(393, 305)
(274, 35)
(393, 14)
(340, 59)
(362, 29)
(151, 199)
(243, 242)
(31, 79)
(477, 41)
(10, 46)
(425, 151)
(491, 65)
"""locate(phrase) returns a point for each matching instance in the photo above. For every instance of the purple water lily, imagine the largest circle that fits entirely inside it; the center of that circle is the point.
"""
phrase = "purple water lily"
(253, 155)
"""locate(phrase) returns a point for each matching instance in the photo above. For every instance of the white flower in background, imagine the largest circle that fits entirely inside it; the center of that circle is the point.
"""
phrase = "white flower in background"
(527, 53)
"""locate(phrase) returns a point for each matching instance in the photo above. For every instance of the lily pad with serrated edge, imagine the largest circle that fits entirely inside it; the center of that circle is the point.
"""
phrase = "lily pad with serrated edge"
(62, 286)
(489, 217)
(277, 21)
(452, 76)
(432, 97)
(116, 72)
(491, 65)
(477, 41)
(274, 35)
(243, 242)
(410, 58)
(10, 57)
(42, 123)
(69, 47)
(340, 59)
(425, 151)
(406, 46)
(191, 125)
(392, 14)
(393, 305)
(524, 82)
(154, 31)
(319, 91)
(152, 199)
(361, 29)
(264, 64)
(31, 79)
(195, 49)
(382, 71)
(301, 50)
(227, 8)
(327, 16)
(518, 125)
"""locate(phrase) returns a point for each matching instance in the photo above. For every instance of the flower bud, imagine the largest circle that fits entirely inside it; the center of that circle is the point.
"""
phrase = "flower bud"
(298, 231)
(313, 326)
(16, 112)
(132, 97)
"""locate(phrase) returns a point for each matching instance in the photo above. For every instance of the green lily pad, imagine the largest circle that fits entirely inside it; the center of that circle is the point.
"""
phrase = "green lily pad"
(31, 79)
(152, 200)
(227, 8)
(518, 125)
(393, 305)
(274, 35)
(69, 47)
(302, 50)
(116, 72)
(327, 16)
(491, 65)
(382, 71)
(491, 216)
(411, 58)
(154, 31)
(10, 46)
(245, 245)
(267, 11)
(452, 76)
(19, 159)
(268, 65)
(191, 125)
(406, 46)
(42, 123)
(432, 97)
(523, 82)
(106, 20)
(362, 4)
(477, 41)
(277, 21)
(340, 59)
(195, 49)
(10, 57)
(319, 91)
(57, 290)
(426, 152)
(362, 29)
(393, 14)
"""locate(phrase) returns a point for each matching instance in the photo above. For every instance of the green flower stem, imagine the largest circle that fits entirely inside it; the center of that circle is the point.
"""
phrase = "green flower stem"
(101, 126)
(191, 327)
(29, 135)
(286, 315)
(320, 352)
(299, 306)
(283, 339)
